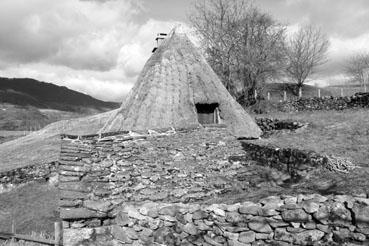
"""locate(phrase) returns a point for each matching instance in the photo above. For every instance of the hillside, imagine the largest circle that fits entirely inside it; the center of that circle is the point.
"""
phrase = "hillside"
(30, 92)
(28, 104)
(43, 146)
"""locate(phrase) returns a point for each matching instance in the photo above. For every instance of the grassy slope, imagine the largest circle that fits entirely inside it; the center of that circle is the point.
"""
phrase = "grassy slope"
(342, 133)
(33, 208)
(43, 146)
(25, 118)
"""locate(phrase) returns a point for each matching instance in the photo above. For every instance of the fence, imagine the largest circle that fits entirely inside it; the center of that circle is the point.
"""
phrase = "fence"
(337, 91)
(13, 236)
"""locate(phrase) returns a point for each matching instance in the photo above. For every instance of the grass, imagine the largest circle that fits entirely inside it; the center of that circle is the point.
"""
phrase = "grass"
(342, 133)
(43, 146)
(32, 207)
(24, 243)
(6, 136)
(25, 118)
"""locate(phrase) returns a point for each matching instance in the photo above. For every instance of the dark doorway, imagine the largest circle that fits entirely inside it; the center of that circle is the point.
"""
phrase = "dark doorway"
(207, 113)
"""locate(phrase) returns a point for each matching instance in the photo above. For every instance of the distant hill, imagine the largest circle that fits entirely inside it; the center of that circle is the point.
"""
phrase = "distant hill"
(31, 92)
(28, 104)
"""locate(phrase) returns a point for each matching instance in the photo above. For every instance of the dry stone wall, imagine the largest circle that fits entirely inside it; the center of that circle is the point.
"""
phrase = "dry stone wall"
(296, 162)
(20, 176)
(97, 174)
(157, 188)
(359, 100)
(288, 220)
(268, 126)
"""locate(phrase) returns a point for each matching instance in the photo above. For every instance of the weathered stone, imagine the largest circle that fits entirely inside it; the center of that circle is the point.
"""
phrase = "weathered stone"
(122, 219)
(131, 233)
(247, 237)
(295, 225)
(264, 236)
(307, 237)
(155, 224)
(212, 241)
(67, 194)
(252, 209)
(323, 228)
(231, 236)
(361, 213)
(216, 210)
(290, 200)
(280, 234)
(120, 234)
(74, 237)
(358, 237)
(190, 229)
(133, 213)
(169, 210)
(168, 218)
(322, 214)
(199, 215)
(340, 215)
(164, 235)
(297, 215)
(233, 217)
(309, 225)
(310, 206)
(260, 224)
(277, 221)
(70, 203)
(102, 206)
(80, 213)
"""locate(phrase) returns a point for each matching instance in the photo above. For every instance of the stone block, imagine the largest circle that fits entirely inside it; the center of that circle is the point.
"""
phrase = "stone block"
(252, 209)
(259, 224)
(80, 213)
(296, 215)
(75, 195)
(247, 237)
(361, 213)
(102, 206)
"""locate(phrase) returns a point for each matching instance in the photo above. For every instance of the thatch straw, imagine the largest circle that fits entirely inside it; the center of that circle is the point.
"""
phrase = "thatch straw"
(172, 82)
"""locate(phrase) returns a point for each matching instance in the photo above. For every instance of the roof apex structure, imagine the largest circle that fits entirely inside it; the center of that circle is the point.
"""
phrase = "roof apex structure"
(174, 82)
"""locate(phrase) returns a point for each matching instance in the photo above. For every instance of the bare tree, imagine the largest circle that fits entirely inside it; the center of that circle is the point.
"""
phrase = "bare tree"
(306, 50)
(243, 45)
(357, 67)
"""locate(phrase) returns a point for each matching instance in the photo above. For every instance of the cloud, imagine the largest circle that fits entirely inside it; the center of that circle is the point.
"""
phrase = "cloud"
(337, 17)
(68, 32)
(95, 47)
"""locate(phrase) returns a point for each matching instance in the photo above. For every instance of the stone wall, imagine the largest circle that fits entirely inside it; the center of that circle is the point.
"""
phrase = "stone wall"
(268, 125)
(359, 100)
(296, 162)
(20, 176)
(287, 220)
(97, 174)
(159, 186)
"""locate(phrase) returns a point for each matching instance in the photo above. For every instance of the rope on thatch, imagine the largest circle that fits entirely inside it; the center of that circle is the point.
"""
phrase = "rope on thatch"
(340, 164)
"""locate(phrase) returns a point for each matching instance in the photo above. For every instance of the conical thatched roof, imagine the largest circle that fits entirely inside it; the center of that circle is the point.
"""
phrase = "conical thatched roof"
(172, 82)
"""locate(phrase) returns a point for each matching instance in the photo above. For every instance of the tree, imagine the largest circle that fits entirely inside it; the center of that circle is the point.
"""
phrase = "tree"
(357, 67)
(243, 45)
(306, 51)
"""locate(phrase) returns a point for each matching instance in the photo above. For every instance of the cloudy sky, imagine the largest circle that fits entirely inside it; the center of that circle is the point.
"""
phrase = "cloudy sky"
(99, 46)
